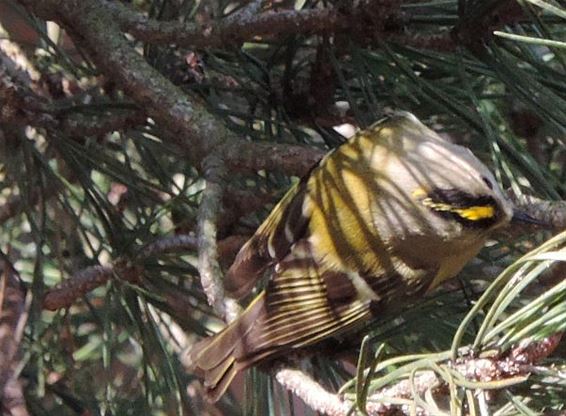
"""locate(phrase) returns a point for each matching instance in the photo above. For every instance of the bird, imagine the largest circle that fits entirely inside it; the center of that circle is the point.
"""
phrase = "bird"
(382, 219)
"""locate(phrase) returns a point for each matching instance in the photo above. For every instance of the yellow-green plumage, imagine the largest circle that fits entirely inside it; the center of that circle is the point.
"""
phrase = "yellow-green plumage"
(385, 217)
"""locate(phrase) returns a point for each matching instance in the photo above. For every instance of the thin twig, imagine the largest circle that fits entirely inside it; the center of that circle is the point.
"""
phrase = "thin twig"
(78, 285)
(233, 29)
(88, 279)
(209, 268)
(14, 307)
(552, 213)
(312, 393)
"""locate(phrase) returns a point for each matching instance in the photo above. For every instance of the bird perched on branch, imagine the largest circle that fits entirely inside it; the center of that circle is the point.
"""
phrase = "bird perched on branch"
(382, 219)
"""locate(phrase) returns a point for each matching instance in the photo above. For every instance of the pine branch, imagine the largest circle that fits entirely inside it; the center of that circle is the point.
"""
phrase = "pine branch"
(131, 270)
(232, 29)
(552, 213)
(190, 125)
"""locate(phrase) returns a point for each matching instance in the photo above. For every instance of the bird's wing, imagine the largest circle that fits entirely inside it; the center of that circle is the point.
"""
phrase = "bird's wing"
(286, 224)
(306, 302)
(301, 305)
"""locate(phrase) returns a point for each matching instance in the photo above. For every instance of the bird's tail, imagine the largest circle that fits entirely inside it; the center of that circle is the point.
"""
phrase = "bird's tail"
(219, 358)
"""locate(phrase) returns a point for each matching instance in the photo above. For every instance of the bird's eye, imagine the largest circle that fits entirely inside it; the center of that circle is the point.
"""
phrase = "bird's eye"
(487, 182)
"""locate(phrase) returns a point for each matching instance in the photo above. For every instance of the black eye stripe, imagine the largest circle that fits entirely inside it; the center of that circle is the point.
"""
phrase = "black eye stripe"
(446, 203)
(460, 199)
(487, 182)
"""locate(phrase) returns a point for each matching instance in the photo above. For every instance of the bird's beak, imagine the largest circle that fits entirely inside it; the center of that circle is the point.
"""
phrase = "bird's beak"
(523, 217)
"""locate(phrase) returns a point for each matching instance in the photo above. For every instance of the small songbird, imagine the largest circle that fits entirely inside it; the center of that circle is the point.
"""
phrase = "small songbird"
(382, 219)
